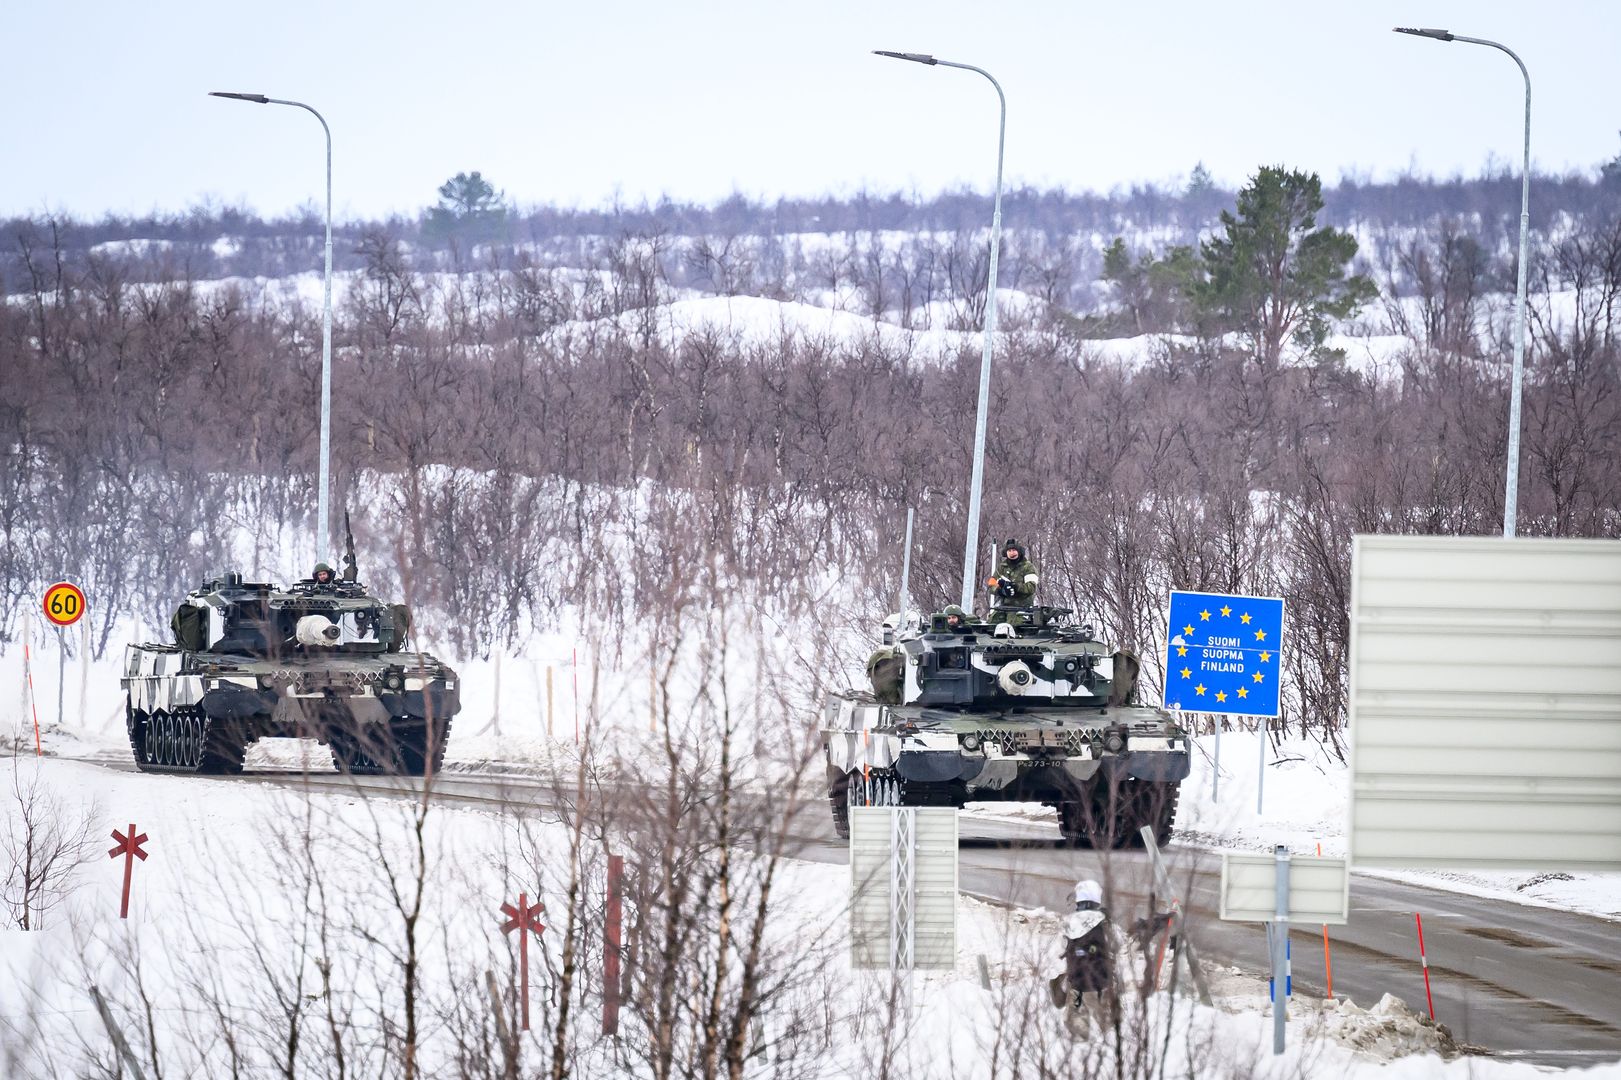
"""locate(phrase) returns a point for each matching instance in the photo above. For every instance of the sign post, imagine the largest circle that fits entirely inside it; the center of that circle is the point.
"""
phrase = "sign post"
(1280, 890)
(1279, 936)
(64, 606)
(129, 846)
(1223, 656)
(525, 918)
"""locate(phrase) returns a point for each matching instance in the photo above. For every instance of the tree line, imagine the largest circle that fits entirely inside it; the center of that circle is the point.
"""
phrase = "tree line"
(520, 435)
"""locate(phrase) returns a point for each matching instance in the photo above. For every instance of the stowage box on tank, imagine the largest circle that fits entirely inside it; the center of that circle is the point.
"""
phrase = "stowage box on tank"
(321, 660)
(1029, 710)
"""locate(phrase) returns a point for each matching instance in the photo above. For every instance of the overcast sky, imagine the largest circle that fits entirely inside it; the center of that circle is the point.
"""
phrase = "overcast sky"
(582, 103)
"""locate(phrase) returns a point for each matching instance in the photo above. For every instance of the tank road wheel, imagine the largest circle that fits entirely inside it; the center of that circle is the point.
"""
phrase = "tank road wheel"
(194, 742)
(145, 740)
(838, 798)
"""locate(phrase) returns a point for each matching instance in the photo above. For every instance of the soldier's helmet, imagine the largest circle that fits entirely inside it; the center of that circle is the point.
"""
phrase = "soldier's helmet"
(955, 615)
(1088, 892)
(323, 574)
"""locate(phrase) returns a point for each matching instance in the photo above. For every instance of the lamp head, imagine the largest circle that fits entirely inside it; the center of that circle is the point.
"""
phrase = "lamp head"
(916, 58)
(1424, 31)
(258, 98)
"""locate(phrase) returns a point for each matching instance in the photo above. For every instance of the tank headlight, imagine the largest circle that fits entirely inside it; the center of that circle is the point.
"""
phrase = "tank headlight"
(1070, 666)
(394, 680)
(1114, 742)
(971, 742)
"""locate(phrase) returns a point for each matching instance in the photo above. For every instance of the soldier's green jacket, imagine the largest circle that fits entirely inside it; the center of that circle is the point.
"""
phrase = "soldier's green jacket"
(884, 670)
(1024, 578)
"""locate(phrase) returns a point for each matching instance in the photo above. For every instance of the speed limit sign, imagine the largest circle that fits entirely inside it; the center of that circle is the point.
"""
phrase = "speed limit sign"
(64, 603)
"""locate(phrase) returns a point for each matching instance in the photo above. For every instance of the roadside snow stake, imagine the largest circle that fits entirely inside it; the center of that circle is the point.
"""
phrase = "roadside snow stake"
(1328, 962)
(525, 918)
(28, 673)
(1424, 959)
(610, 940)
(128, 846)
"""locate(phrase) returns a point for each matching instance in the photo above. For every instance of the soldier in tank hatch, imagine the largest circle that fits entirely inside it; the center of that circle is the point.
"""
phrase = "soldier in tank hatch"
(886, 667)
(1013, 586)
(322, 574)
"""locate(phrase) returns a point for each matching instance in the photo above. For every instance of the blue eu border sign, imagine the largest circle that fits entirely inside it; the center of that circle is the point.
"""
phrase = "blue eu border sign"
(1223, 654)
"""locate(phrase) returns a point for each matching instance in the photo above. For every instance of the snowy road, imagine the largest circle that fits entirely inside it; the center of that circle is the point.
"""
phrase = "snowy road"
(1522, 982)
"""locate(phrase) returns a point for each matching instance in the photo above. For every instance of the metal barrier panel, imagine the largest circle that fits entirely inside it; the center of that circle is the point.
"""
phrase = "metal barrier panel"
(1485, 703)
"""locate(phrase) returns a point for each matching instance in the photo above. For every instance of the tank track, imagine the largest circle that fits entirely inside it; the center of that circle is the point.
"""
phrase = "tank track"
(403, 752)
(1113, 815)
(185, 740)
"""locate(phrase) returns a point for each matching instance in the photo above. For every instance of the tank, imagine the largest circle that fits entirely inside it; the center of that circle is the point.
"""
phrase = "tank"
(1032, 708)
(318, 660)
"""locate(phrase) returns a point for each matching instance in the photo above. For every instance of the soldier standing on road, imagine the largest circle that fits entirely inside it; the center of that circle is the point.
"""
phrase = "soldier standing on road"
(1013, 586)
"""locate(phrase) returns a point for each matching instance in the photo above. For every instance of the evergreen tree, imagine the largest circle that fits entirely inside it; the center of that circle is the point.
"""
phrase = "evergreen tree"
(469, 208)
(1272, 275)
(1610, 172)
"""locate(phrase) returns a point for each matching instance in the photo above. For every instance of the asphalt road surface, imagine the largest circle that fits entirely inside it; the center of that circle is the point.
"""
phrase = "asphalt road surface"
(1516, 981)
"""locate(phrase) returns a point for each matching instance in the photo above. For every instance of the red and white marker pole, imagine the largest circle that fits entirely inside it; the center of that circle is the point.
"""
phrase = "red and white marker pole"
(611, 932)
(33, 702)
(525, 918)
(128, 846)
(1425, 960)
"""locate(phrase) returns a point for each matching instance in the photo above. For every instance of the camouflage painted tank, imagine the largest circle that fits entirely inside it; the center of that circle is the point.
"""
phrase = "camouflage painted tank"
(1036, 712)
(321, 660)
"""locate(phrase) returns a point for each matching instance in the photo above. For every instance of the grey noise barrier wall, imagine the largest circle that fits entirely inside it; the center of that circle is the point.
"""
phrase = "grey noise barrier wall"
(1485, 703)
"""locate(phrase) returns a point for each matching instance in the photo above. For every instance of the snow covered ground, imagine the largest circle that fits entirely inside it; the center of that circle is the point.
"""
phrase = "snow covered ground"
(228, 903)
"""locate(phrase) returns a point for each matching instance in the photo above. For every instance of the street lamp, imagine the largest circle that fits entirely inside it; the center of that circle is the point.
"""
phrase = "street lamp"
(1512, 491)
(969, 553)
(321, 503)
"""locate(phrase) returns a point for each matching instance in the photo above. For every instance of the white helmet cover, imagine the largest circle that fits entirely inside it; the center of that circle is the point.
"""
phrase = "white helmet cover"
(1088, 892)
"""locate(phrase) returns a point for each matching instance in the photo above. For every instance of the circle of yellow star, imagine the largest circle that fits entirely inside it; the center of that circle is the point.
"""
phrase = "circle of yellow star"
(1188, 629)
(1259, 677)
(1199, 690)
(1260, 635)
(1244, 618)
(1187, 674)
(1266, 657)
(1181, 650)
(1225, 611)
(1221, 695)
(1243, 691)
(1204, 616)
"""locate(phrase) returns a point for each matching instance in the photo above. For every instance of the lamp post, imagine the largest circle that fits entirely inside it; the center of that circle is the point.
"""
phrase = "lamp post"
(1512, 490)
(322, 512)
(970, 552)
